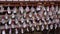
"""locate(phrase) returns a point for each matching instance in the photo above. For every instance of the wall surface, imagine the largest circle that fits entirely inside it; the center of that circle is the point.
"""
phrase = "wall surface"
(29, 0)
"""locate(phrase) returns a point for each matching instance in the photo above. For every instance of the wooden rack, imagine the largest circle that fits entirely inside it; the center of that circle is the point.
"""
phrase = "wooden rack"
(29, 3)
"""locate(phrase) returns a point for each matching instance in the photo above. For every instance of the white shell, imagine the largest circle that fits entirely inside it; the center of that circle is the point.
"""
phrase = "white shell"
(38, 8)
(22, 31)
(8, 9)
(56, 8)
(24, 24)
(16, 31)
(9, 0)
(47, 27)
(26, 0)
(49, 22)
(35, 13)
(10, 21)
(36, 0)
(30, 25)
(59, 25)
(34, 22)
(37, 28)
(21, 0)
(10, 31)
(32, 0)
(33, 18)
(51, 26)
(47, 18)
(59, 11)
(41, 0)
(55, 26)
(15, 10)
(42, 28)
(3, 32)
(22, 20)
(16, 21)
(35, 25)
(12, 25)
(50, 13)
(40, 23)
(13, 16)
(27, 20)
(43, 8)
(2, 0)
(27, 29)
(32, 28)
(19, 25)
(57, 20)
(6, 26)
(32, 9)
(6, 16)
(15, 0)
(27, 9)
(21, 9)
(2, 9)
(45, 23)
(52, 8)
(3, 21)
(37, 18)
(45, 13)
(30, 15)
(43, 19)
(48, 8)
(24, 14)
